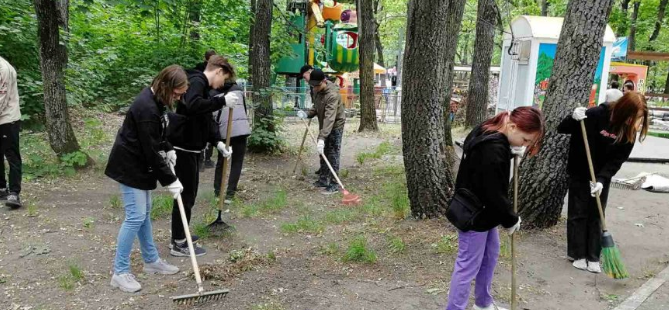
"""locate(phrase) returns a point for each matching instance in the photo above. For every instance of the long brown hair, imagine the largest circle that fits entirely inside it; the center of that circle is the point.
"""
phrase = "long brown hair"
(528, 119)
(218, 61)
(624, 114)
(163, 85)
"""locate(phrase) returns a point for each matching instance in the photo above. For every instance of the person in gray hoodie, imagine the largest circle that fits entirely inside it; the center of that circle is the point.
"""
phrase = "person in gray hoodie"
(241, 129)
(10, 125)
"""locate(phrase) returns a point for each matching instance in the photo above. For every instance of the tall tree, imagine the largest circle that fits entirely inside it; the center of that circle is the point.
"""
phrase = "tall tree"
(631, 41)
(367, 28)
(52, 16)
(251, 23)
(543, 179)
(195, 14)
(378, 8)
(660, 19)
(429, 180)
(260, 64)
(456, 10)
(544, 7)
(666, 84)
(477, 103)
(623, 27)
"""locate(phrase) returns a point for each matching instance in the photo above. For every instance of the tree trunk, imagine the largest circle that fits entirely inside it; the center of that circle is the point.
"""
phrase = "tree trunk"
(377, 34)
(486, 21)
(51, 17)
(631, 41)
(194, 12)
(543, 179)
(659, 21)
(251, 22)
(260, 63)
(666, 84)
(624, 25)
(544, 7)
(454, 15)
(429, 179)
(367, 28)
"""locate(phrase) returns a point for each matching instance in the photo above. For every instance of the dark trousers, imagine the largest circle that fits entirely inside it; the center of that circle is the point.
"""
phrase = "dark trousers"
(9, 148)
(332, 151)
(236, 161)
(208, 152)
(187, 170)
(584, 229)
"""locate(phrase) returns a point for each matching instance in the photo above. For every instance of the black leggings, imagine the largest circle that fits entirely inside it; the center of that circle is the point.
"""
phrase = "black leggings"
(188, 172)
(236, 161)
(584, 229)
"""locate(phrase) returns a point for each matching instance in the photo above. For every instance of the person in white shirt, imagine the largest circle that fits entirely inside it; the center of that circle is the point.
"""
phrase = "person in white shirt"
(10, 125)
(613, 93)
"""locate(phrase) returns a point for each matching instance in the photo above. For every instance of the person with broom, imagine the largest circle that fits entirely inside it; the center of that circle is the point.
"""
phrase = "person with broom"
(241, 129)
(329, 109)
(140, 157)
(611, 131)
(191, 138)
(482, 186)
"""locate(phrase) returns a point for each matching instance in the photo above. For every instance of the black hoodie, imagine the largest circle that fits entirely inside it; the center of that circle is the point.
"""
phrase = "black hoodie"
(485, 171)
(197, 106)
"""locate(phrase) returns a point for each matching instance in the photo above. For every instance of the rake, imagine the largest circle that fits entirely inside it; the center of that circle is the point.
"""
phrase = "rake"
(219, 224)
(349, 198)
(612, 263)
(514, 284)
(299, 153)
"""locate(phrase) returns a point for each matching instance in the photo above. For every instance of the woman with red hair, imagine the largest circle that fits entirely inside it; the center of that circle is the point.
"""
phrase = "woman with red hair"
(482, 185)
(611, 129)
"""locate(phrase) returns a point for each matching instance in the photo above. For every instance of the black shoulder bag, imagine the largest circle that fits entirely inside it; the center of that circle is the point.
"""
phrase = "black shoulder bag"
(464, 208)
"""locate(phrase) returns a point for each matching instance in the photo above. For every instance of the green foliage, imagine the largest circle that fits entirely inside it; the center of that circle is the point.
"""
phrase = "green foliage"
(383, 149)
(161, 206)
(359, 251)
(115, 201)
(74, 276)
(304, 224)
(329, 249)
(448, 244)
(275, 203)
(659, 134)
(265, 136)
(396, 244)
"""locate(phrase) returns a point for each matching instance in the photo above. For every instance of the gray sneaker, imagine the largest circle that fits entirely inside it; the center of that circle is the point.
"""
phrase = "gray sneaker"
(180, 249)
(13, 201)
(160, 267)
(125, 282)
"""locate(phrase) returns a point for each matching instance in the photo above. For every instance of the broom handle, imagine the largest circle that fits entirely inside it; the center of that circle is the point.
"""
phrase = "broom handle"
(514, 284)
(191, 250)
(592, 173)
(325, 158)
(224, 169)
(304, 138)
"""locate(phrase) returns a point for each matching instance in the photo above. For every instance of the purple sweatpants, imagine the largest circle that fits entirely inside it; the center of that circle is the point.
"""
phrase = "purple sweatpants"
(477, 257)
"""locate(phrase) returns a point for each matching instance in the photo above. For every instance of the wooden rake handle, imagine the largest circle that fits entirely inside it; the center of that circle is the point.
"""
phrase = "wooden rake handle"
(514, 283)
(325, 157)
(592, 173)
(299, 153)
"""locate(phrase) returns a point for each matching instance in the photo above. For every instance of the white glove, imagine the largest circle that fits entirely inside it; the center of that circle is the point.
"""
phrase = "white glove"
(320, 146)
(514, 228)
(171, 158)
(301, 114)
(596, 189)
(579, 114)
(232, 100)
(175, 188)
(518, 150)
(226, 151)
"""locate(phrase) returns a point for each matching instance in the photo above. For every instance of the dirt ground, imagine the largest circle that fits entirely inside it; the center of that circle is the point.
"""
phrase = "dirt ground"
(286, 249)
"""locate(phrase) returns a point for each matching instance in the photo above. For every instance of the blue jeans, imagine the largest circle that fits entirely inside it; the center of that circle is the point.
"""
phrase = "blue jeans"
(137, 223)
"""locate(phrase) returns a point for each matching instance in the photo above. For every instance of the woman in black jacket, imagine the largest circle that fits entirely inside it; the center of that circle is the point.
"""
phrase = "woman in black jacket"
(139, 158)
(611, 129)
(484, 173)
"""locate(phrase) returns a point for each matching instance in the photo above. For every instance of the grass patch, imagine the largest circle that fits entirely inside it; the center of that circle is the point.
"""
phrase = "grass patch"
(268, 306)
(397, 193)
(340, 216)
(384, 148)
(115, 201)
(69, 280)
(330, 249)
(32, 209)
(396, 244)
(448, 244)
(201, 230)
(161, 206)
(89, 222)
(505, 247)
(304, 224)
(275, 203)
(659, 134)
(359, 251)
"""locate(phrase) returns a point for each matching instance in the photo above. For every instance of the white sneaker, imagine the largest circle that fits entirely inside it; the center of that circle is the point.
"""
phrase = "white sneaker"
(581, 264)
(125, 282)
(161, 267)
(491, 307)
(594, 267)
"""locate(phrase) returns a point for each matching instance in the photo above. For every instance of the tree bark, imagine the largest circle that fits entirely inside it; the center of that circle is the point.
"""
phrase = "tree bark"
(251, 22)
(486, 21)
(544, 7)
(377, 34)
(260, 64)
(666, 84)
(543, 179)
(367, 28)
(429, 178)
(456, 10)
(194, 12)
(631, 41)
(51, 17)
(659, 21)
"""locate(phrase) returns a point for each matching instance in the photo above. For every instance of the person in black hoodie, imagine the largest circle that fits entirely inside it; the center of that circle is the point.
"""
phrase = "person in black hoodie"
(192, 138)
(140, 157)
(484, 172)
(611, 129)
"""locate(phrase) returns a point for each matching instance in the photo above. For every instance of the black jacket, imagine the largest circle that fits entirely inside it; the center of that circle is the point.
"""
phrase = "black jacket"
(198, 128)
(607, 156)
(135, 160)
(485, 171)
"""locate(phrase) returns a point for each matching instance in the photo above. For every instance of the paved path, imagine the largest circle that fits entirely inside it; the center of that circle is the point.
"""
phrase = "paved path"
(652, 295)
(652, 147)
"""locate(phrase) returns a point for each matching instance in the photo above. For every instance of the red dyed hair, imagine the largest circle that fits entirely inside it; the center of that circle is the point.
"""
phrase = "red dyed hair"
(528, 119)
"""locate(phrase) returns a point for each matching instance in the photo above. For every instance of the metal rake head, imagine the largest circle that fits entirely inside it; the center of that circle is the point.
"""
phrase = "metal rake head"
(199, 298)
